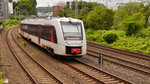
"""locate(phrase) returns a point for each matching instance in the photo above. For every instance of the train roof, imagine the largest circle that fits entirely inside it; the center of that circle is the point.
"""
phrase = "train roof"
(39, 21)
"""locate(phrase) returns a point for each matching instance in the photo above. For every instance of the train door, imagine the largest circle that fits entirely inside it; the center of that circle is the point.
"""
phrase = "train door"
(52, 35)
(39, 33)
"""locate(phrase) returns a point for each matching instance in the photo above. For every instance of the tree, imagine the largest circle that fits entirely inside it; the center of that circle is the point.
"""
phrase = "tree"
(25, 7)
(126, 10)
(83, 13)
(147, 12)
(132, 7)
(133, 24)
(84, 8)
(66, 12)
(100, 18)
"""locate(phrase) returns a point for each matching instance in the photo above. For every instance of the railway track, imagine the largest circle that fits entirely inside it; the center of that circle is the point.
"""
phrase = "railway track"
(125, 61)
(93, 73)
(124, 52)
(104, 78)
(36, 72)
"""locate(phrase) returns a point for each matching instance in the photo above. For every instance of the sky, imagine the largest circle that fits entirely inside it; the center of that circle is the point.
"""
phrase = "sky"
(111, 3)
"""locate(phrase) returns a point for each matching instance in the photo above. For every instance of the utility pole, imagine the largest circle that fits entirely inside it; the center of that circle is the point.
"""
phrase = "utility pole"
(106, 3)
(76, 8)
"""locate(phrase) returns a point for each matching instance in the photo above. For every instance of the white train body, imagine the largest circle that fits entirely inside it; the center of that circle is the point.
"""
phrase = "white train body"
(63, 36)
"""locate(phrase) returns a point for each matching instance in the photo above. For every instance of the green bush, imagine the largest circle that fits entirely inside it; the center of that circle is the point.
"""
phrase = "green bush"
(133, 24)
(110, 38)
(132, 28)
(17, 17)
(24, 43)
(100, 18)
(1, 77)
(144, 33)
(10, 23)
(139, 43)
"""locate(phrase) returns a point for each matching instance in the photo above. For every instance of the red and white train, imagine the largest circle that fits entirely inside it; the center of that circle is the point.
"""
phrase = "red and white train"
(60, 36)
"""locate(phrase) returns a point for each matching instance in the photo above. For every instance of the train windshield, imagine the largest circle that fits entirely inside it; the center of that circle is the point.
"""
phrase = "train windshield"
(72, 31)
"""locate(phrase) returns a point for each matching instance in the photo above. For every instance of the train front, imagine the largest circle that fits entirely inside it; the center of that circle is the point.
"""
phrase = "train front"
(73, 39)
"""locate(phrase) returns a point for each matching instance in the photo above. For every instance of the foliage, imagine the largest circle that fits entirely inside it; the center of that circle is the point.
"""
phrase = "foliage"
(144, 33)
(126, 10)
(132, 28)
(24, 43)
(17, 17)
(132, 7)
(100, 18)
(82, 4)
(133, 24)
(25, 7)
(83, 9)
(66, 12)
(33, 53)
(118, 17)
(147, 12)
(132, 43)
(1, 77)
(110, 37)
(10, 23)
(94, 35)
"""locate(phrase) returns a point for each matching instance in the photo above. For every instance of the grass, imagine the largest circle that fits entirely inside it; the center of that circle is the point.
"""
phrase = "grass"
(18, 36)
(24, 43)
(33, 53)
(1, 77)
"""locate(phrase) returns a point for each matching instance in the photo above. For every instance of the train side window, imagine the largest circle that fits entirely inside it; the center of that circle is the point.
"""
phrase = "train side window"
(49, 33)
(33, 30)
(29, 28)
(26, 28)
(21, 27)
(45, 33)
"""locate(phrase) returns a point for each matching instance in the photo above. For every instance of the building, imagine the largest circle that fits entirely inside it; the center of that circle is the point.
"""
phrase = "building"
(56, 9)
(5, 8)
(68, 4)
(15, 0)
(1, 9)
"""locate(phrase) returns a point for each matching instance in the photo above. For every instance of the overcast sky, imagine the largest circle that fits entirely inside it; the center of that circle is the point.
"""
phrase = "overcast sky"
(54, 2)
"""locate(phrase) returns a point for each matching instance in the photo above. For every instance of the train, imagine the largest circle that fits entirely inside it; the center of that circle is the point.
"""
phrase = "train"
(60, 36)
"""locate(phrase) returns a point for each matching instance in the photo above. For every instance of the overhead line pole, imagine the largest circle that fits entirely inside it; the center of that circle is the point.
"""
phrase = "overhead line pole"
(76, 8)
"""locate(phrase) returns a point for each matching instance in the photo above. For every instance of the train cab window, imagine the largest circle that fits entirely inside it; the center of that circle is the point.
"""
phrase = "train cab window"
(72, 31)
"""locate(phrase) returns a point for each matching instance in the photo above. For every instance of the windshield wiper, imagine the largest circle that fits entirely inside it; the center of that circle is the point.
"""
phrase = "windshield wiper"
(75, 25)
